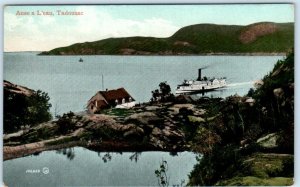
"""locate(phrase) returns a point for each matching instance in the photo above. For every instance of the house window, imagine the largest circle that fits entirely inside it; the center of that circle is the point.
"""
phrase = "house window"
(123, 100)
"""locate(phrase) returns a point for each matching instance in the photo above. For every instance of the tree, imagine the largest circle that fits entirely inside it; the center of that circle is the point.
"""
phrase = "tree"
(21, 110)
(163, 94)
(165, 89)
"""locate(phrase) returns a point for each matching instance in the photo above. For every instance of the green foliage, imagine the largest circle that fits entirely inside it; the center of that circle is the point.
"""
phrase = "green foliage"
(234, 163)
(38, 108)
(106, 133)
(199, 39)
(278, 110)
(210, 167)
(21, 110)
(66, 122)
(118, 112)
(163, 94)
(228, 162)
(263, 168)
(256, 181)
(204, 140)
(251, 92)
(40, 133)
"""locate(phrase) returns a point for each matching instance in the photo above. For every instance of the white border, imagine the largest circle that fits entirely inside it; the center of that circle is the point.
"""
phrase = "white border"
(49, 2)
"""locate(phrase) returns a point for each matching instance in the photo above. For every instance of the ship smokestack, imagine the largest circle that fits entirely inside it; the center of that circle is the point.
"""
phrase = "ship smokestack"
(199, 74)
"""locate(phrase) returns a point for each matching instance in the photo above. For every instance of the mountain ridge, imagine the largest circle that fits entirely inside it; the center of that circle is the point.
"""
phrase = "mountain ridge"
(199, 39)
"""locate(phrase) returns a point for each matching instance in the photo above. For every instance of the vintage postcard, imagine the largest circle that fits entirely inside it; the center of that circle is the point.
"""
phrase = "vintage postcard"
(148, 95)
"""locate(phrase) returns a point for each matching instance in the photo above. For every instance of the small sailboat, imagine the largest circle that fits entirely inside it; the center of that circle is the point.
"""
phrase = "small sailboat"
(80, 60)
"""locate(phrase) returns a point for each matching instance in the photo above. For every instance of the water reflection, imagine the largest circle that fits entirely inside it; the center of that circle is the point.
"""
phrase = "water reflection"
(68, 152)
(135, 156)
(128, 168)
(105, 156)
(36, 154)
(173, 153)
(108, 156)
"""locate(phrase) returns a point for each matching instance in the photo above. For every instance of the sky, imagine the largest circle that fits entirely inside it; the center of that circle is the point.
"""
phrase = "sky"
(35, 32)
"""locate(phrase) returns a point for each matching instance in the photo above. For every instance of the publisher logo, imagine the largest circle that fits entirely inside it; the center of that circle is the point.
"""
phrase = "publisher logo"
(45, 170)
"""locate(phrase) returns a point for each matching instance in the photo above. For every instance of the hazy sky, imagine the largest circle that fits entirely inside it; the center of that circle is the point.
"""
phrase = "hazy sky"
(45, 32)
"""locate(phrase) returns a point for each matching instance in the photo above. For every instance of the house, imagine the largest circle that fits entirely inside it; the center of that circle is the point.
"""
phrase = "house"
(118, 98)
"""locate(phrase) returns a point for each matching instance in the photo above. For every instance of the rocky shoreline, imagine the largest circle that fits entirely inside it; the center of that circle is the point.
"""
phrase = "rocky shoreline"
(144, 128)
(12, 152)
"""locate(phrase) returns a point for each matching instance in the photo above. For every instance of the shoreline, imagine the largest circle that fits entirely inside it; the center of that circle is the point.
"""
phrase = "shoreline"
(156, 54)
(14, 152)
(98, 132)
(178, 55)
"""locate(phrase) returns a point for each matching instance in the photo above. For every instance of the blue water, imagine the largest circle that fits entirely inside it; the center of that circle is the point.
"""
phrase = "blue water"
(88, 168)
(70, 84)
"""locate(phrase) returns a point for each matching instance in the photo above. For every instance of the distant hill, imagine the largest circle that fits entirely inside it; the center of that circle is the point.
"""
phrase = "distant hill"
(200, 39)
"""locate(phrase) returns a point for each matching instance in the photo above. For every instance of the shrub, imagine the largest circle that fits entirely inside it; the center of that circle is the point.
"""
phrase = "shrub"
(163, 94)
(66, 122)
(21, 110)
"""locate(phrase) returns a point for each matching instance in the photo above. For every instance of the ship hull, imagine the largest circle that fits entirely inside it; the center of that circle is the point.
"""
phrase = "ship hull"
(187, 90)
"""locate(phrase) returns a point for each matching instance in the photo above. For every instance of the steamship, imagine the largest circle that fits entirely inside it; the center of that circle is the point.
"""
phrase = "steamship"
(200, 85)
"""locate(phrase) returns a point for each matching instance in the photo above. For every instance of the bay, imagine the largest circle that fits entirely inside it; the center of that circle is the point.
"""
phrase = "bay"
(70, 83)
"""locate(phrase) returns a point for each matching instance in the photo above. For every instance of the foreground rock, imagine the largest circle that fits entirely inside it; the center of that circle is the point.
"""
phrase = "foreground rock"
(137, 132)
(160, 126)
(269, 141)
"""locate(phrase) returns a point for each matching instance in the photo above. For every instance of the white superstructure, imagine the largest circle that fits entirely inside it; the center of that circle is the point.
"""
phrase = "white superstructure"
(200, 85)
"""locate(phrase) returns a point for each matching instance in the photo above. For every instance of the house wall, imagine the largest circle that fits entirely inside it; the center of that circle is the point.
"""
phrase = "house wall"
(92, 108)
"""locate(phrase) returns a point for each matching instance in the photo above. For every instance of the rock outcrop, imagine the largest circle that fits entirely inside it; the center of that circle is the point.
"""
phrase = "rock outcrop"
(140, 130)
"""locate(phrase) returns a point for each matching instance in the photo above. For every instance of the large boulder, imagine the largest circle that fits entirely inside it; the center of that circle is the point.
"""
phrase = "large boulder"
(79, 132)
(144, 118)
(176, 108)
(134, 132)
(98, 121)
(7, 137)
(156, 142)
(195, 119)
(268, 141)
(250, 101)
(156, 132)
(101, 118)
(172, 134)
(152, 108)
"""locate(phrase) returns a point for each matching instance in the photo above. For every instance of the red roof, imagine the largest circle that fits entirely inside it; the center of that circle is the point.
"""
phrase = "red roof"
(112, 95)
